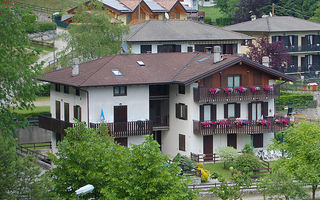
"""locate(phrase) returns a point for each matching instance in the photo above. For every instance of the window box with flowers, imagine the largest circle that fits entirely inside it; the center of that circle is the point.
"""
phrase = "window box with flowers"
(262, 122)
(224, 123)
(254, 89)
(284, 122)
(241, 89)
(208, 124)
(214, 90)
(267, 88)
(240, 123)
(228, 90)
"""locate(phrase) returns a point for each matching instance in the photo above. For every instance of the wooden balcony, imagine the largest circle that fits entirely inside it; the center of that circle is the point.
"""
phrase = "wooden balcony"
(251, 128)
(52, 124)
(203, 95)
(125, 129)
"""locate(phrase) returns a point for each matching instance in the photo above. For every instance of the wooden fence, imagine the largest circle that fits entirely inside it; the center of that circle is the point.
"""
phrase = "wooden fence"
(36, 145)
(43, 43)
(37, 8)
(38, 155)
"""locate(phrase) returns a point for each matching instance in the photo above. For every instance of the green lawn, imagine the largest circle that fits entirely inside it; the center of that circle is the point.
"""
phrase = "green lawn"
(54, 4)
(212, 12)
(42, 49)
(34, 112)
(218, 168)
(43, 99)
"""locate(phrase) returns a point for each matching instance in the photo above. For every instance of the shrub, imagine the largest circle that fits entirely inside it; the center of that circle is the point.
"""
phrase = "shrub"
(41, 27)
(185, 163)
(247, 160)
(199, 165)
(223, 21)
(228, 155)
(44, 90)
(207, 20)
(214, 175)
(204, 174)
(297, 100)
(248, 148)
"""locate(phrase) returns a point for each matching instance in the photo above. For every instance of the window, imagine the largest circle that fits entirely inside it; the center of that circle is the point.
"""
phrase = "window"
(231, 110)
(257, 140)
(66, 89)
(234, 81)
(145, 49)
(175, 16)
(116, 72)
(190, 49)
(258, 110)
(66, 112)
(119, 90)
(77, 112)
(57, 86)
(128, 18)
(182, 142)
(58, 110)
(182, 89)
(181, 111)
(77, 91)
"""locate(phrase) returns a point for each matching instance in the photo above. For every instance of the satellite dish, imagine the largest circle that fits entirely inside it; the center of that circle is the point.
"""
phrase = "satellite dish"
(166, 15)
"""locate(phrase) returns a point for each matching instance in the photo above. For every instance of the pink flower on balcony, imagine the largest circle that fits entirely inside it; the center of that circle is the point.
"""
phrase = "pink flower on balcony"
(264, 123)
(228, 90)
(213, 123)
(241, 89)
(205, 124)
(254, 88)
(214, 90)
(283, 121)
(267, 88)
(240, 123)
(224, 123)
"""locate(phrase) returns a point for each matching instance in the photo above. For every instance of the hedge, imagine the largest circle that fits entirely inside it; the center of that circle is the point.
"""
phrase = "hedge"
(295, 100)
(41, 27)
(223, 21)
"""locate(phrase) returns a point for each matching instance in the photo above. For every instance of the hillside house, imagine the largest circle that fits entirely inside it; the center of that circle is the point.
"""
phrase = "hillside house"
(300, 37)
(181, 98)
(182, 36)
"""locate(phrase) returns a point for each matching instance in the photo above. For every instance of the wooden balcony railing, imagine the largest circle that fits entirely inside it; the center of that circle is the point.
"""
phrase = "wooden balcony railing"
(232, 128)
(125, 129)
(52, 124)
(203, 95)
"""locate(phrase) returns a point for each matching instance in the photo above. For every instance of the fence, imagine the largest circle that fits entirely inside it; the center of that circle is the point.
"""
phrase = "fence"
(38, 145)
(206, 157)
(37, 8)
(38, 155)
(43, 43)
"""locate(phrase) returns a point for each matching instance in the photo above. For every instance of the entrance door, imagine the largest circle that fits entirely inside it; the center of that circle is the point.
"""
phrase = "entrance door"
(120, 118)
(208, 146)
(232, 140)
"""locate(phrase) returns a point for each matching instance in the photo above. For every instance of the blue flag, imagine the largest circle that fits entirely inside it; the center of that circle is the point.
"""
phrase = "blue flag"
(102, 116)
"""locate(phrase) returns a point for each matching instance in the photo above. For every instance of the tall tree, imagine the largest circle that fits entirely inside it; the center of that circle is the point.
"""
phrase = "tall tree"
(94, 33)
(86, 156)
(17, 71)
(252, 7)
(302, 153)
(298, 8)
(316, 15)
(227, 6)
(278, 54)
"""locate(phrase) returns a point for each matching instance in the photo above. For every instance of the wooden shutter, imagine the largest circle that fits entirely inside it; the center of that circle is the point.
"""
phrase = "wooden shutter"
(66, 112)
(79, 114)
(224, 81)
(58, 110)
(213, 112)
(225, 111)
(237, 111)
(201, 113)
(257, 140)
(250, 111)
(177, 111)
(265, 109)
(185, 112)
(182, 142)
(304, 41)
(295, 40)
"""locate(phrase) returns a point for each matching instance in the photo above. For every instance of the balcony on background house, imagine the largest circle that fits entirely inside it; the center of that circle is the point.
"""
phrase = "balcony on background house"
(303, 48)
(55, 125)
(269, 125)
(125, 129)
(206, 95)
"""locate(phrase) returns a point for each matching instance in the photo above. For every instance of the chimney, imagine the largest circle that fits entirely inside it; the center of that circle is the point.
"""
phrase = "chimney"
(265, 61)
(75, 67)
(216, 54)
(253, 17)
(272, 9)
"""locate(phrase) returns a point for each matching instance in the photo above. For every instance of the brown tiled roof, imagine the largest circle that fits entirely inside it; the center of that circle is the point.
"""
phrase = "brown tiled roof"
(132, 4)
(167, 4)
(159, 68)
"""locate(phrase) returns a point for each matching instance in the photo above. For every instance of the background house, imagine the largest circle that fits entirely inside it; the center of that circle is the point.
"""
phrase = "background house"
(182, 36)
(300, 37)
(169, 95)
(138, 11)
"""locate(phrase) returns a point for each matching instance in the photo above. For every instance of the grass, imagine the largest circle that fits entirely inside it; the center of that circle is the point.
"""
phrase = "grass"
(212, 12)
(54, 4)
(34, 112)
(42, 49)
(43, 99)
(218, 168)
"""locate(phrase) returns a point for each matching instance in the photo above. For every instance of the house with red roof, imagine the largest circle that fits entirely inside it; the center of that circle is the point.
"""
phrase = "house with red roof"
(191, 102)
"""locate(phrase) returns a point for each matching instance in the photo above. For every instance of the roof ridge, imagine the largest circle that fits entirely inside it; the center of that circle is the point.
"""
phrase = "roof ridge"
(184, 68)
(268, 24)
(138, 29)
(112, 57)
(123, 4)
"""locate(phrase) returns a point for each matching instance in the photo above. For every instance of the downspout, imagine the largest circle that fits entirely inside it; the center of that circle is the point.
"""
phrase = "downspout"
(87, 106)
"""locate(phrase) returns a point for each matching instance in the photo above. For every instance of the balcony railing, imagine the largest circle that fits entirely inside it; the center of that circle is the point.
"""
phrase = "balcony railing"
(252, 127)
(160, 122)
(52, 124)
(203, 95)
(303, 48)
(125, 129)
(304, 68)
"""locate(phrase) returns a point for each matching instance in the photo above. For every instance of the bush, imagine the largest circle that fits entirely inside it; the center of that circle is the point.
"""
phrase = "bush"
(204, 174)
(248, 148)
(296, 100)
(207, 20)
(228, 154)
(44, 90)
(223, 21)
(247, 161)
(41, 27)
(185, 163)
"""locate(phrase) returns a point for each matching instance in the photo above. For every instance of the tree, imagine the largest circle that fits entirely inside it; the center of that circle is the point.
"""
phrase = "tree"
(316, 15)
(281, 183)
(227, 6)
(254, 7)
(298, 8)
(86, 156)
(228, 155)
(278, 54)
(17, 71)
(94, 34)
(302, 153)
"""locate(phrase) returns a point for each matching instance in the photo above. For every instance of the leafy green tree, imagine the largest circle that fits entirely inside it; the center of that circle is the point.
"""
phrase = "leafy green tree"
(17, 71)
(227, 6)
(86, 156)
(316, 15)
(298, 8)
(94, 33)
(281, 183)
(252, 7)
(302, 153)
(231, 190)
(228, 155)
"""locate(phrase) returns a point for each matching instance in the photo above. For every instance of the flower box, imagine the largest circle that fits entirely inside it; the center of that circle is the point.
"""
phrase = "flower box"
(214, 90)
(264, 123)
(284, 121)
(228, 90)
(254, 89)
(267, 88)
(240, 123)
(241, 89)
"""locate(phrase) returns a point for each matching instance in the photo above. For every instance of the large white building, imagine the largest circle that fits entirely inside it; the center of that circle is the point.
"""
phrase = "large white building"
(175, 96)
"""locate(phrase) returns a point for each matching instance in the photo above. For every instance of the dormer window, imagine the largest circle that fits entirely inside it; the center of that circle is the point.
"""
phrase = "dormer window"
(116, 72)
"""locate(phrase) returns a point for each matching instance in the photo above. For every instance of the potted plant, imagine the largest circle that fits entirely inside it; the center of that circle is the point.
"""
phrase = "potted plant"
(214, 90)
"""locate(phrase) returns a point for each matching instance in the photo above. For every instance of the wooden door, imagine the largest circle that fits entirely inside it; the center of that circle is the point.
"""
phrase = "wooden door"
(257, 140)
(232, 140)
(120, 118)
(58, 114)
(208, 146)
(66, 112)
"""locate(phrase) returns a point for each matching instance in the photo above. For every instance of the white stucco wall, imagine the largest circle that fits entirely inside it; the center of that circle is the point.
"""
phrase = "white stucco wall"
(136, 100)
(134, 140)
(70, 98)
(267, 139)
(135, 48)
